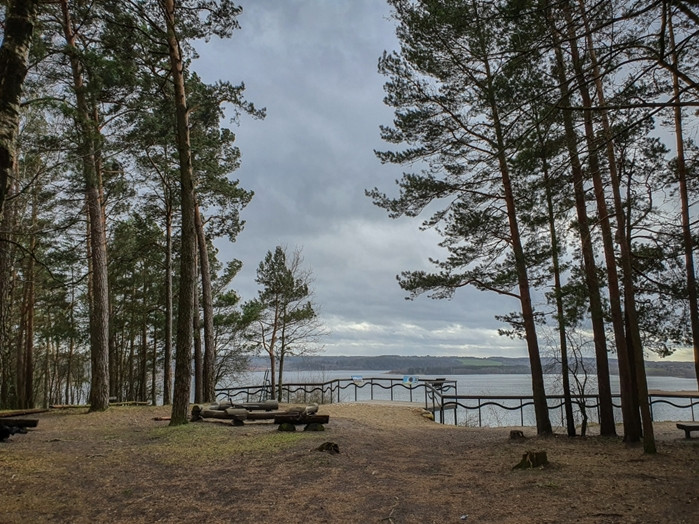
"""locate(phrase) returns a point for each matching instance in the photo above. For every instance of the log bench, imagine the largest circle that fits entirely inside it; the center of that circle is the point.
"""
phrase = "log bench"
(296, 419)
(688, 428)
(313, 422)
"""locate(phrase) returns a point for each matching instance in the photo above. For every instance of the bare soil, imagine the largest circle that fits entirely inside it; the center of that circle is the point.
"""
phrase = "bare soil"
(394, 466)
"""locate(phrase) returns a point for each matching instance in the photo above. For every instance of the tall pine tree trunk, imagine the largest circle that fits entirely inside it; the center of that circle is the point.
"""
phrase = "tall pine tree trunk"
(624, 241)
(607, 425)
(7, 286)
(687, 240)
(208, 384)
(99, 303)
(198, 357)
(20, 17)
(629, 408)
(558, 291)
(183, 345)
(167, 346)
(543, 421)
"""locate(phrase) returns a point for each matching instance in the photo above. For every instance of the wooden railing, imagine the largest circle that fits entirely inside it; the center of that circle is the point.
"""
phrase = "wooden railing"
(440, 396)
(348, 389)
(587, 403)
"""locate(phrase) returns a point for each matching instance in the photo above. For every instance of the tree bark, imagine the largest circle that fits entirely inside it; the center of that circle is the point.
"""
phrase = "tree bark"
(687, 240)
(208, 382)
(198, 357)
(167, 357)
(31, 299)
(7, 284)
(99, 304)
(624, 241)
(543, 421)
(183, 346)
(630, 412)
(563, 342)
(14, 56)
(607, 425)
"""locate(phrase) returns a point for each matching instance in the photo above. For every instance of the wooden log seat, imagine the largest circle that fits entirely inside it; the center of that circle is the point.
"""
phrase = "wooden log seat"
(296, 418)
(688, 428)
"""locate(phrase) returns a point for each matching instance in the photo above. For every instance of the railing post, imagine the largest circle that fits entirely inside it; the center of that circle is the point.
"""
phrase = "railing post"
(650, 406)
(480, 421)
(691, 403)
(521, 411)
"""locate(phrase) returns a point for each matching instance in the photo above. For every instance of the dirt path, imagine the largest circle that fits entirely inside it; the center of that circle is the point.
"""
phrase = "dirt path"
(394, 466)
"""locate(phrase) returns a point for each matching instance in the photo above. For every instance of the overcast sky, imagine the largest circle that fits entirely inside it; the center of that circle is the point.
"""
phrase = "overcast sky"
(313, 65)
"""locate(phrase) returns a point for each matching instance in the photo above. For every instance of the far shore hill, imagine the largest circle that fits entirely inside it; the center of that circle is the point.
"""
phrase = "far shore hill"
(442, 365)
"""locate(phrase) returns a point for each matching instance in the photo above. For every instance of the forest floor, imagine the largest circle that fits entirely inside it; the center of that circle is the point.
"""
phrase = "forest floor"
(394, 466)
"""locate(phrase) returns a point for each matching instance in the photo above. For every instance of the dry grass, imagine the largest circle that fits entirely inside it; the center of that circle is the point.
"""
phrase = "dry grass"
(394, 466)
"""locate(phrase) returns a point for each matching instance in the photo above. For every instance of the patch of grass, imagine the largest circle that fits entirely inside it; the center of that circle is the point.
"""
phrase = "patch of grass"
(204, 444)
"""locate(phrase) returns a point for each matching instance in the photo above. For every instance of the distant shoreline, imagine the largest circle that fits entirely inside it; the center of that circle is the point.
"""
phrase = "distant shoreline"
(447, 365)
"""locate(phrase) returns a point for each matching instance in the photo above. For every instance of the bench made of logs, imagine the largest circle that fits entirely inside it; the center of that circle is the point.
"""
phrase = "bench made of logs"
(297, 419)
(688, 428)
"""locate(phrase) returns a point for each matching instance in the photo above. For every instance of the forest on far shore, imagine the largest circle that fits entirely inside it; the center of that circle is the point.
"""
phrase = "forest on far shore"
(444, 365)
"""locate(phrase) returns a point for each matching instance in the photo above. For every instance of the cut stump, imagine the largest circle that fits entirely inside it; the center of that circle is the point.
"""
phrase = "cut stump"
(532, 459)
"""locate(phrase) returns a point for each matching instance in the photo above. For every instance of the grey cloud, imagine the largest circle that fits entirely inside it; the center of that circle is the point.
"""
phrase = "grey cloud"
(313, 65)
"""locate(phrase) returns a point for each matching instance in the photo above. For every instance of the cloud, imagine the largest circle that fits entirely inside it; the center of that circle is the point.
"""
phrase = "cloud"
(313, 65)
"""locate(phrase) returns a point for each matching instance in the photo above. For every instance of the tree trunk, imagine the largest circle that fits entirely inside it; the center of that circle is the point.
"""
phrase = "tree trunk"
(624, 241)
(154, 370)
(198, 391)
(563, 342)
(208, 382)
(7, 294)
(543, 421)
(167, 357)
(687, 240)
(71, 346)
(630, 413)
(183, 346)
(282, 354)
(143, 353)
(18, 30)
(607, 425)
(29, 332)
(99, 305)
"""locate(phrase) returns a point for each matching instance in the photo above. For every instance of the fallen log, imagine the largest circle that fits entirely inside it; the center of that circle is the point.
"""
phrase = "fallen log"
(237, 413)
(20, 412)
(20, 422)
(229, 413)
(267, 405)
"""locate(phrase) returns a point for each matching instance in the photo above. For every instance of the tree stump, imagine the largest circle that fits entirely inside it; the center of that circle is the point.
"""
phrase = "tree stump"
(329, 447)
(532, 459)
(516, 434)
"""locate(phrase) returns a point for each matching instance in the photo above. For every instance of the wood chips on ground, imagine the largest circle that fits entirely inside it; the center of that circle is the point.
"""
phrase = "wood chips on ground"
(394, 466)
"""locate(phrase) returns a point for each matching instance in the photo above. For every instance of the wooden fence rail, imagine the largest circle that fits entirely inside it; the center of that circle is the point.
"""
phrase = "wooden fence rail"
(440, 396)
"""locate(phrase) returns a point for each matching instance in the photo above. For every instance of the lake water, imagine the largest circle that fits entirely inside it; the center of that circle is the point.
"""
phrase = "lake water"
(484, 386)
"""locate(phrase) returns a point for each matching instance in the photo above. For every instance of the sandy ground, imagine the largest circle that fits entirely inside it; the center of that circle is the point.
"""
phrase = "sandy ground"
(394, 465)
